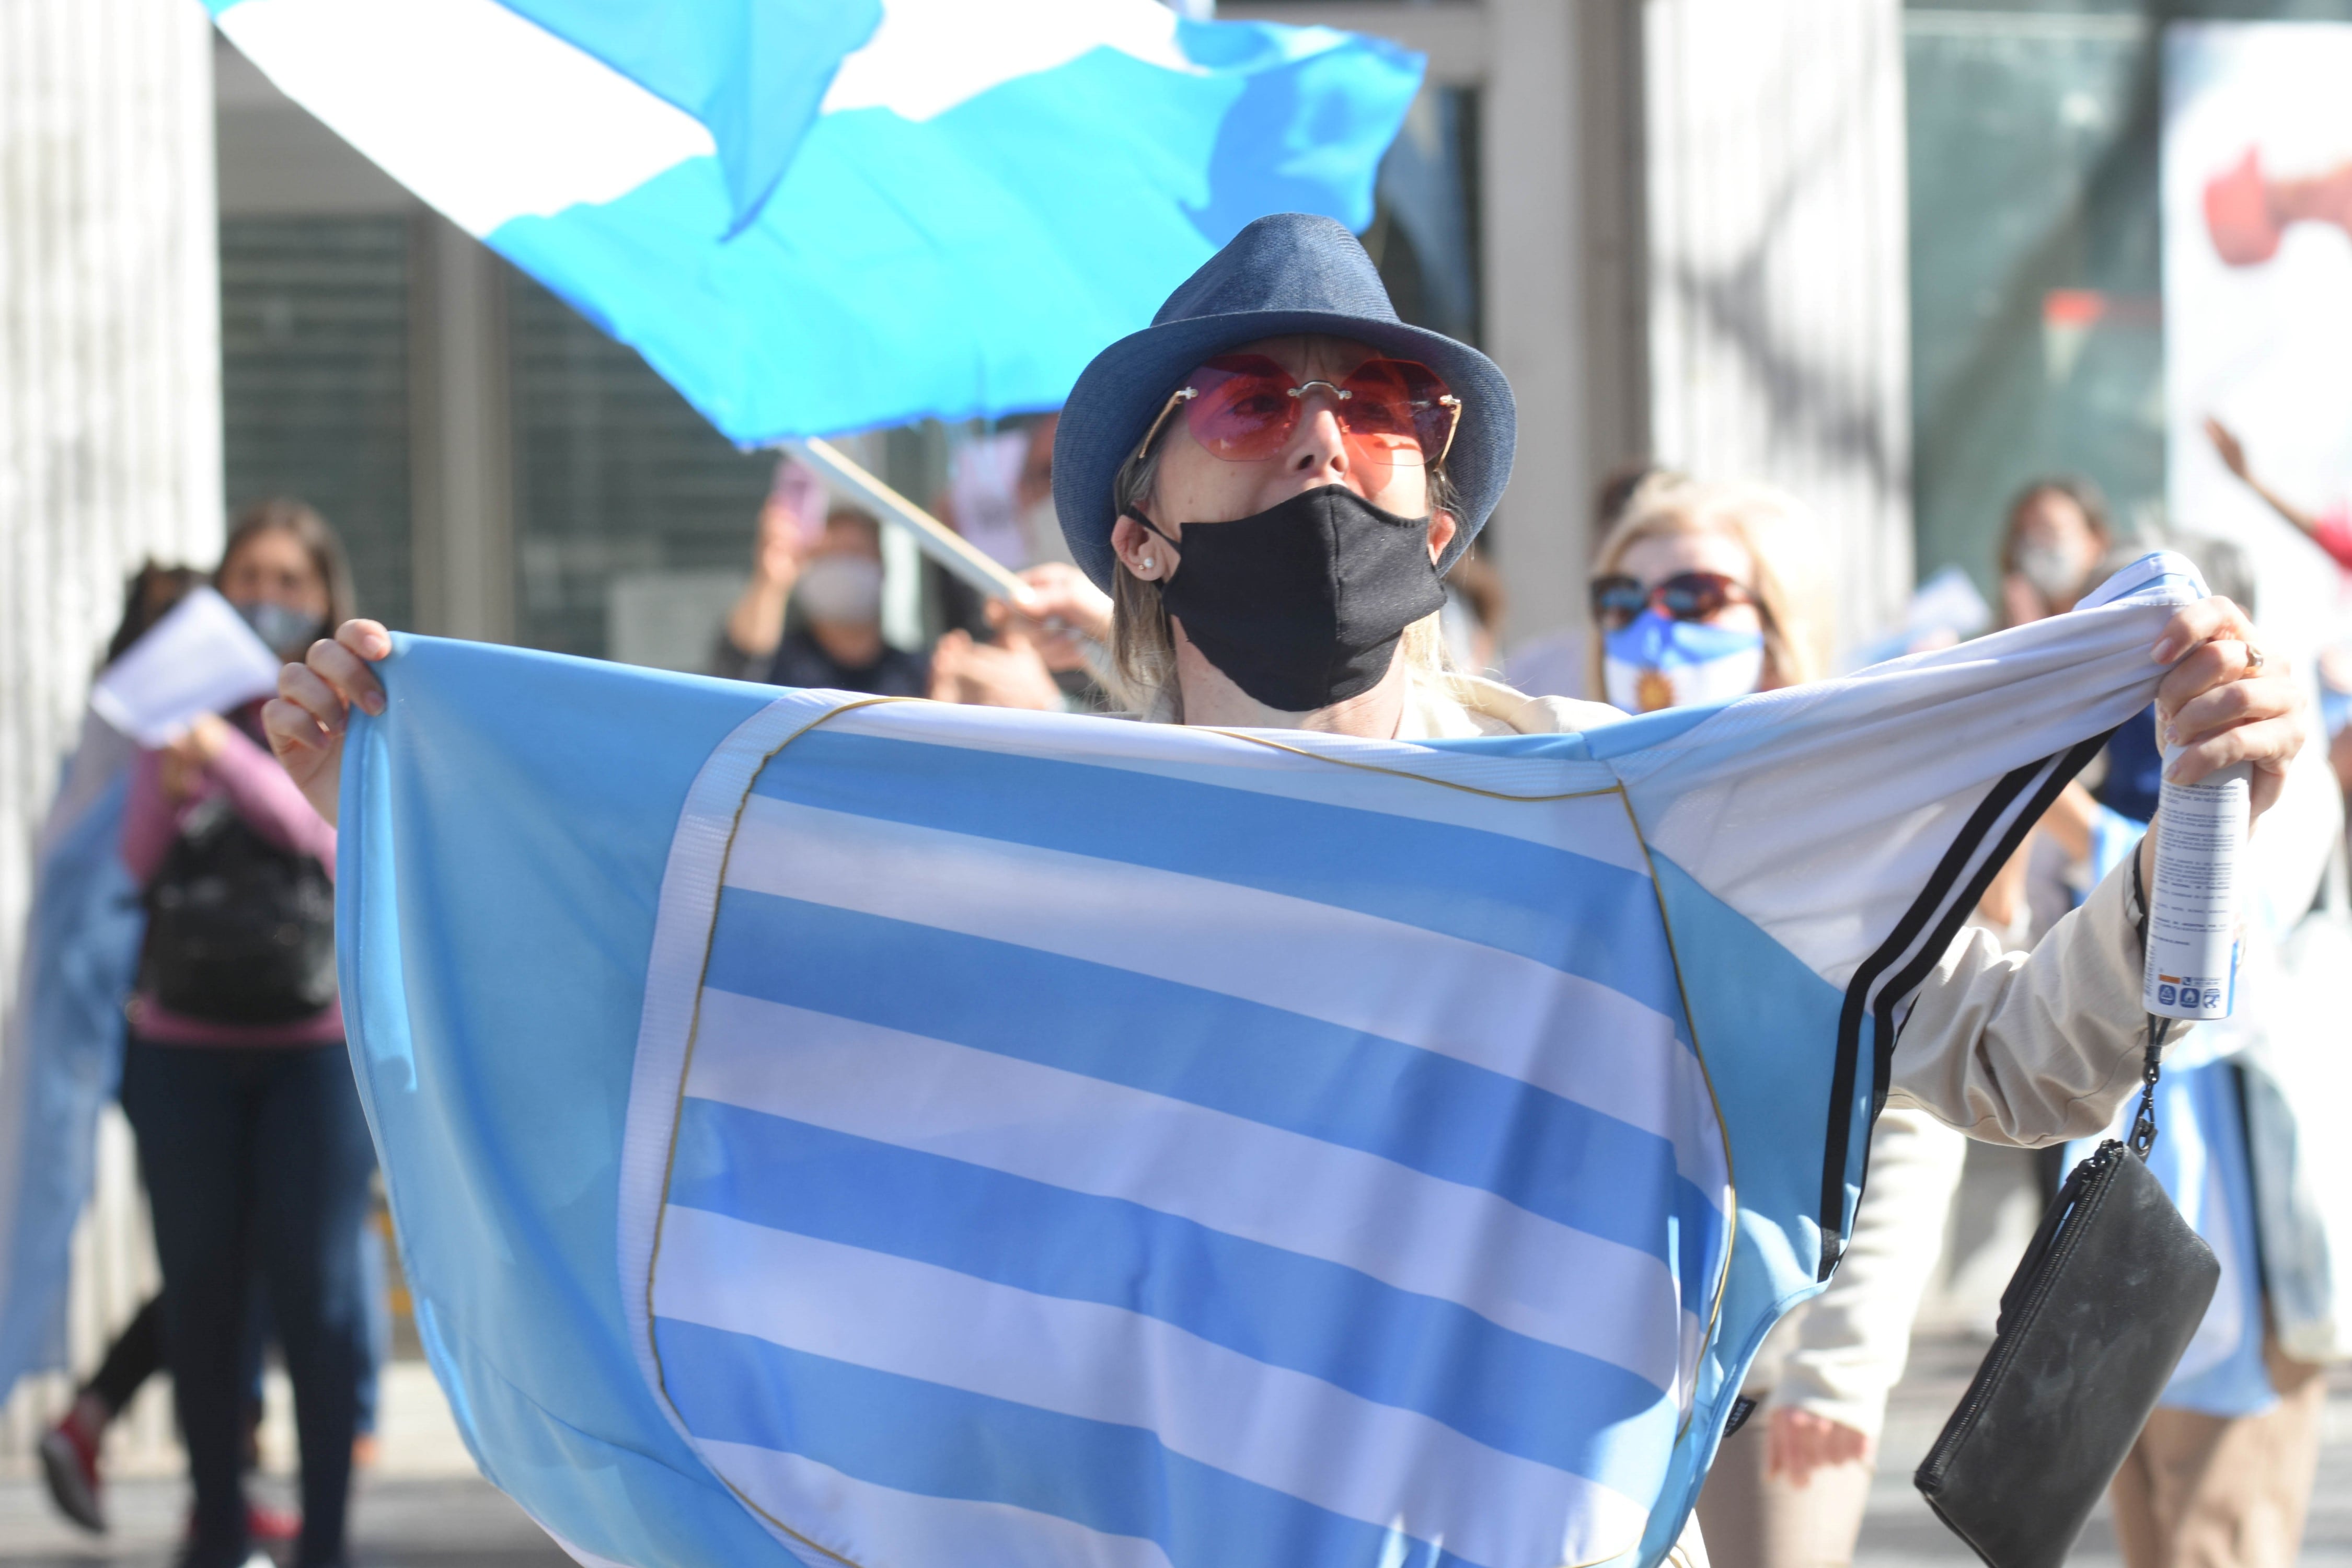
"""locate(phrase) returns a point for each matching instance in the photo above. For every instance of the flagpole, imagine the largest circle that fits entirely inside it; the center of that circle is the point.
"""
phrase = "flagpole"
(934, 538)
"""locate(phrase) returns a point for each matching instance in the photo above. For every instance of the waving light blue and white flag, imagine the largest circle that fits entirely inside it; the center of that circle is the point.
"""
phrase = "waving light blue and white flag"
(823, 215)
(833, 1130)
(61, 1045)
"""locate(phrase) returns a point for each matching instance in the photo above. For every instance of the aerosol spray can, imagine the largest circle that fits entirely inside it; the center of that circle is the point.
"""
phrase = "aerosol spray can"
(2192, 917)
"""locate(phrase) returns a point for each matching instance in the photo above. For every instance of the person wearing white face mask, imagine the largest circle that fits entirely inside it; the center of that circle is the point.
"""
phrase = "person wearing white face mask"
(836, 580)
(2050, 549)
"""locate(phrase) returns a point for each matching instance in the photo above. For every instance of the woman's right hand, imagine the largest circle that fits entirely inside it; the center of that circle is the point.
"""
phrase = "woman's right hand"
(306, 721)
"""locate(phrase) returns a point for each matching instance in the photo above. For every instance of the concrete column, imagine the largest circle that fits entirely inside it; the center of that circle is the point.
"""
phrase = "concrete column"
(462, 437)
(1561, 156)
(1535, 279)
(110, 434)
(1779, 281)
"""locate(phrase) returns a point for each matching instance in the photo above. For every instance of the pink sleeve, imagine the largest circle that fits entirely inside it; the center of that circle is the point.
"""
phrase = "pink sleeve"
(2333, 533)
(270, 802)
(149, 823)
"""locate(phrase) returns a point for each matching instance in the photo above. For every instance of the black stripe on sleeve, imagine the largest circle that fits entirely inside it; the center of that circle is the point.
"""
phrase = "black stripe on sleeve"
(1938, 912)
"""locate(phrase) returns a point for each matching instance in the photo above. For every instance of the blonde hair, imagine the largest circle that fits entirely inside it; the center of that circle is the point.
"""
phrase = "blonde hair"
(1143, 646)
(1781, 537)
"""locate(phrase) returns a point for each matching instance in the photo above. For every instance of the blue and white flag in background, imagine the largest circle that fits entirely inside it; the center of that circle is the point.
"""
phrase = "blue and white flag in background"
(822, 216)
(61, 1044)
(824, 1129)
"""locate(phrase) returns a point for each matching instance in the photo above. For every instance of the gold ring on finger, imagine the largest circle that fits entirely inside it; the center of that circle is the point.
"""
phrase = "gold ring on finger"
(2254, 659)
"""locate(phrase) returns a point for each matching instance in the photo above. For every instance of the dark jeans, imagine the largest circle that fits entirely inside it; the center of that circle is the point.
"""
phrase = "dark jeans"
(257, 1164)
(137, 1352)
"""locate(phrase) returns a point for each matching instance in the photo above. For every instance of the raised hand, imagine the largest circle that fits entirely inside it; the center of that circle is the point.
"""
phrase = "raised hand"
(307, 719)
(1798, 1442)
(2226, 701)
(1058, 609)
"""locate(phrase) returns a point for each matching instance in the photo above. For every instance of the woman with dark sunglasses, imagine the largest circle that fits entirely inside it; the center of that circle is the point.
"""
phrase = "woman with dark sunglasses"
(1702, 592)
(1267, 484)
(1284, 470)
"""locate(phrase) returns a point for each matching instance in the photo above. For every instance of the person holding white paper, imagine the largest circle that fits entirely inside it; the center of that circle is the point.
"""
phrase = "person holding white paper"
(256, 1155)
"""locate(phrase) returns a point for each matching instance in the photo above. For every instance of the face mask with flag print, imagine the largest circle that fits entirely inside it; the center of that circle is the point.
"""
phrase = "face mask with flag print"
(1657, 662)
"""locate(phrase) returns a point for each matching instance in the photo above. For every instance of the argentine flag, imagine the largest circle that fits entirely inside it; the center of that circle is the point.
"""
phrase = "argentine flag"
(822, 216)
(829, 1130)
(61, 1045)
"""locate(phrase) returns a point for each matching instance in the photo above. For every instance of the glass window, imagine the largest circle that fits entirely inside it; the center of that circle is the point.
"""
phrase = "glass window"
(634, 518)
(314, 383)
(2037, 333)
(1424, 233)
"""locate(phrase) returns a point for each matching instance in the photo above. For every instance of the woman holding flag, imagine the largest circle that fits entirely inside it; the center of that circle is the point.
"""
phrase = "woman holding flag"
(1331, 462)
(1267, 484)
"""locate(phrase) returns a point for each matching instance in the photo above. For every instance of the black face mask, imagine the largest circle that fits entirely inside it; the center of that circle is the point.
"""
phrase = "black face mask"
(1301, 604)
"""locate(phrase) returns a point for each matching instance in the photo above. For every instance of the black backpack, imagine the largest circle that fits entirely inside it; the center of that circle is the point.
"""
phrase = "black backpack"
(239, 930)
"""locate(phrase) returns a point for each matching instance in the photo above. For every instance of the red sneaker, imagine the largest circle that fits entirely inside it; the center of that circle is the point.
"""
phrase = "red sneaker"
(69, 1464)
(263, 1522)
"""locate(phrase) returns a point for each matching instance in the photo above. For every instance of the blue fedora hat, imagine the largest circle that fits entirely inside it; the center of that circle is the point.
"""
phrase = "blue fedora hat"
(1289, 273)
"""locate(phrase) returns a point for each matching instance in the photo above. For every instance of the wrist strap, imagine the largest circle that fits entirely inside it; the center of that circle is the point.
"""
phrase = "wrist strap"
(2139, 900)
(2143, 1131)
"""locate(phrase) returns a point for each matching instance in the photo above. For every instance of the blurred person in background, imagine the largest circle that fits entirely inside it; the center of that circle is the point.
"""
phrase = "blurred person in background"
(82, 940)
(1000, 497)
(2050, 547)
(1702, 592)
(1557, 663)
(2055, 546)
(1473, 617)
(2335, 710)
(2221, 1474)
(2330, 530)
(69, 1451)
(828, 571)
(256, 1155)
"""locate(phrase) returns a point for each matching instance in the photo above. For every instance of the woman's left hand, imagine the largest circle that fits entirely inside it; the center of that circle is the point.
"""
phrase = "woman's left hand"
(1799, 1442)
(2226, 701)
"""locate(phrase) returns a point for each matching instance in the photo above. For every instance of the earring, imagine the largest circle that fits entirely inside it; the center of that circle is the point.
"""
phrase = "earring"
(1148, 566)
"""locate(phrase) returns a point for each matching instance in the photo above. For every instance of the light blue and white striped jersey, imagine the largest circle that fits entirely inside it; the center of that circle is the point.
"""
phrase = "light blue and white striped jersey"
(828, 1129)
(822, 216)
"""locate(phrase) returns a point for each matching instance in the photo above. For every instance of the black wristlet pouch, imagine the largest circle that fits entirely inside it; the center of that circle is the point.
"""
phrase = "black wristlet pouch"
(2092, 1325)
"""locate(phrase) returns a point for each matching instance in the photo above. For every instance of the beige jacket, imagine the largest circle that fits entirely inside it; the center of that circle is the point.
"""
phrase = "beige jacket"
(1839, 1354)
(2007, 1047)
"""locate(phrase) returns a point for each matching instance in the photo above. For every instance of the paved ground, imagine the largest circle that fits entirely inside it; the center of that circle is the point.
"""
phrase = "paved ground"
(422, 1509)
(416, 1522)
